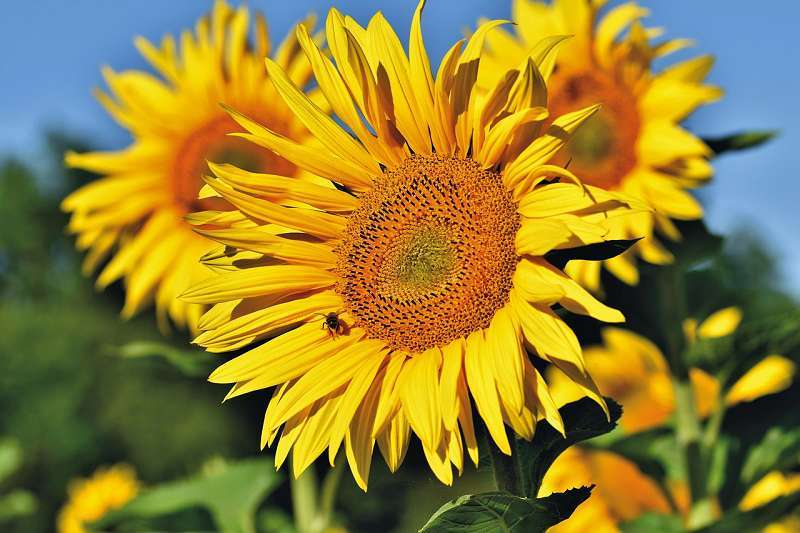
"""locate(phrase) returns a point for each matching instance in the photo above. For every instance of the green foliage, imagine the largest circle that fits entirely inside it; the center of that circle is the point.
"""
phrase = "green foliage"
(506, 512)
(740, 141)
(583, 420)
(502, 512)
(188, 362)
(736, 521)
(19, 502)
(69, 406)
(778, 450)
(230, 492)
(654, 523)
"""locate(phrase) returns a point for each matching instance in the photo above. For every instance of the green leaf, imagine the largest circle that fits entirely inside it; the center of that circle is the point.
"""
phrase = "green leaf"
(593, 252)
(736, 521)
(654, 523)
(275, 520)
(230, 492)
(10, 457)
(697, 244)
(779, 449)
(740, 141)
(17, 503)
(505, 513)
(583, 420)
(192, 363)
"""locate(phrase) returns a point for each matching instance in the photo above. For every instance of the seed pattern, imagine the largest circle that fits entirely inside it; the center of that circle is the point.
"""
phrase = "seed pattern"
(429, 255)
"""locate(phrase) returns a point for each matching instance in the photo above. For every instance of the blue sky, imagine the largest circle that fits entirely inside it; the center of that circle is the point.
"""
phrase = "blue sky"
(53, 50)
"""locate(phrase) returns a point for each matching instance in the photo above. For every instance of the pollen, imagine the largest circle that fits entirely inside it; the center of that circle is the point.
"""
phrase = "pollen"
(602, 149)
(429, 254)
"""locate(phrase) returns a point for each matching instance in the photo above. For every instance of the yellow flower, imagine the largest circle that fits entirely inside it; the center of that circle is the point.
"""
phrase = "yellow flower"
(135, 212)
(773, 485)
(90, 499)
(634, 143)
(622, 491)
(414, 280)
(633, 371)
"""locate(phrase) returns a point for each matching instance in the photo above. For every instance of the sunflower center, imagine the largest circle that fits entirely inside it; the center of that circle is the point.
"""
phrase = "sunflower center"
(429, 254)
(211, 142)
(602, 150)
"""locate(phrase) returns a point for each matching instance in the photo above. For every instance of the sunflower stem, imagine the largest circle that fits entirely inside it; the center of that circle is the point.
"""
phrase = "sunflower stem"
(688, 431)
(304, 500)
(328, 493)
(507, 468)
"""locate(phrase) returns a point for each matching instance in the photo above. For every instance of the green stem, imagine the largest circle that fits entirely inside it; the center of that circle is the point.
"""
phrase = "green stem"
(688, 431)
(304, 500)
(330, 489)
(507, 468)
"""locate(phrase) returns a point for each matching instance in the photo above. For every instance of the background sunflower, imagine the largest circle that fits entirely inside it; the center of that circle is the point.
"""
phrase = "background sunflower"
(134, 214)
(635, 143)
(79, 389)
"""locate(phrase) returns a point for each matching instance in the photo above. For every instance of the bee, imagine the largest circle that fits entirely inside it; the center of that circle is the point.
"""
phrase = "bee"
(332, 323)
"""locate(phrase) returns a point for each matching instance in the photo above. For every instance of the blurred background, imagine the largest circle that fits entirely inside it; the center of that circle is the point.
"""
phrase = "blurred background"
(69, 399)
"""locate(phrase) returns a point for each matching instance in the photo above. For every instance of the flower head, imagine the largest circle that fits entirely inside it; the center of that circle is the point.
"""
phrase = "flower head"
(635, 143)
(135, 212)
(90, 499)
(412, 279)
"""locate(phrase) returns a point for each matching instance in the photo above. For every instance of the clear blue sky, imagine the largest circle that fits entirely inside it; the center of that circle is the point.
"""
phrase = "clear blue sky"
(53, 50)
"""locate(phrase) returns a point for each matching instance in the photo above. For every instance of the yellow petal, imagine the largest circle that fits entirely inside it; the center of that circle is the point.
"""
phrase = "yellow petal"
(543, 148)
(419, 393)
(283, 357)
(720, 323)
(480, 377)
(452, 363)
(352, 399)
(259, 281)
(772, 374)
(330, 134)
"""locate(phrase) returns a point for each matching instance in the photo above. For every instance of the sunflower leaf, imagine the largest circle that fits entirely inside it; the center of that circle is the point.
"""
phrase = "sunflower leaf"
(740, 141)
(779, 449)
(501, 511)
(191, 363)
(756, 519)
(592, 252)
(230, 492)
(583, 420)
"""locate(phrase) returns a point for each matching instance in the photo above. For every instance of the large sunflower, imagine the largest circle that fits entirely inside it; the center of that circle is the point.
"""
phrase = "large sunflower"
(417, 284)
(634, 143)
(135, 212)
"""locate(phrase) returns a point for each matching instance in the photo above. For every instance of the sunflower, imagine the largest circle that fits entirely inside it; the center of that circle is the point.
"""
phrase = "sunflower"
(135, 212)
(633, 371)
(622, 492)
(417, 281)
(634, 143)
(90, 499)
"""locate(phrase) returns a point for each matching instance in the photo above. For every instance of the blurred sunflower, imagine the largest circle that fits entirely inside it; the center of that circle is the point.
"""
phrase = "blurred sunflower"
(135, 212)
(90, 499)
(419, 280)
(645, 387)
(624, 493)
(634, 143)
